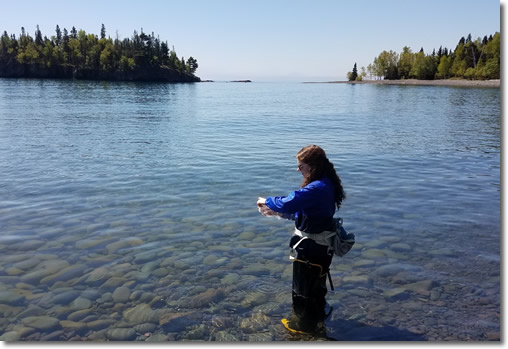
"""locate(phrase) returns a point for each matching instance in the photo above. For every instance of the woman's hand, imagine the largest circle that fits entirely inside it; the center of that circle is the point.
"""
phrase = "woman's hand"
(265, 210)
(261, 201)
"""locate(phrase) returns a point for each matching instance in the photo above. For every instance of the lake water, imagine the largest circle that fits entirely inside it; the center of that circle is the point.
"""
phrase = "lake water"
(128, 210)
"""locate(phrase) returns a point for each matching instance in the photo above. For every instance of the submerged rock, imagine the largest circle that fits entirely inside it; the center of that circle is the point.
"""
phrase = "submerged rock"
(158, 337)
(401, 247)
(73, 325)
(66, 274)
(65, 297)
(128, 242)
(388, 270)
(31, 310)
(421, 287)
(121, 294)
(81, 303)
(27, 264)
(121, 334)
(44, 323)
(11, 298)
(446, 252)
(207, 297)
(141, 313)
(254, 299)
(45, 268)
(373, 253)
(257, 322)
(79, 315)
(112, 283)
(396, 294)
(358, 280)
(11, 336)
(145, 328)
(100, 324)
(225, 336)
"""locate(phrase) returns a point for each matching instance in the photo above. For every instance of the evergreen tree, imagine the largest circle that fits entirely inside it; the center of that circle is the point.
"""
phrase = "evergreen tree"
(478, 59)
(193, 64)
(38, 37)
(88, 51)
(58, 35)
(354, 74)
(103, 31)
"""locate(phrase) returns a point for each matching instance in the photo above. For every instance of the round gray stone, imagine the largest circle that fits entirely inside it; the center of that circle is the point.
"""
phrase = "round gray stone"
(121, 334)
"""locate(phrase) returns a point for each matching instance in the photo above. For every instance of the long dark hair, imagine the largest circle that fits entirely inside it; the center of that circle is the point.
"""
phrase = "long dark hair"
(315, 157)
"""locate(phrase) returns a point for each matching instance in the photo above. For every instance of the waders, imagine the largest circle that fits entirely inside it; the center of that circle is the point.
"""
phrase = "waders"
(310, 269)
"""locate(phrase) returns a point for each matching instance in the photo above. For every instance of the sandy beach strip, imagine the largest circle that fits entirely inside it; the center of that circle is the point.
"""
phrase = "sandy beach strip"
(448, 82)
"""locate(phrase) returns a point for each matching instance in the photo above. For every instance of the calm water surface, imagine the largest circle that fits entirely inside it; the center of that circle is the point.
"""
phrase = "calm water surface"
(127, 211)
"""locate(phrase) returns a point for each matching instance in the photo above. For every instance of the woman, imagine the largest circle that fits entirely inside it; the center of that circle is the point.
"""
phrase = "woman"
(312, 208)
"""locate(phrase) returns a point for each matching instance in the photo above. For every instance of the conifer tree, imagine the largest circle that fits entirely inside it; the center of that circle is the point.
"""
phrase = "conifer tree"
(354, 74)
(38, 36)
(103, 31)
(86, 51)
(58, 35)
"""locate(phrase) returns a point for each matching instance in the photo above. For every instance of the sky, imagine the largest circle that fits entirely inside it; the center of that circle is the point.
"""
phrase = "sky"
(274, 40)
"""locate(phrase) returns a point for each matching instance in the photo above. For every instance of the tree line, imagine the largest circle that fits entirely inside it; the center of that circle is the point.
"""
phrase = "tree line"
(473, 60)
(89, 51)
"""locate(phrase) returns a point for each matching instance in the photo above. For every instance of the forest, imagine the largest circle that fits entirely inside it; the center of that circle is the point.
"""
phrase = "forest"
(78, 54)
(478, 59)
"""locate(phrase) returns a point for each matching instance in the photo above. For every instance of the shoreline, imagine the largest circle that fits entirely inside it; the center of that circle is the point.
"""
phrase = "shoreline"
(413, 82)
(70, 72)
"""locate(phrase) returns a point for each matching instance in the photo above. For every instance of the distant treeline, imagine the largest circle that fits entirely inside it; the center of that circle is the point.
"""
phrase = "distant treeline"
(89, 56)
(473, 60)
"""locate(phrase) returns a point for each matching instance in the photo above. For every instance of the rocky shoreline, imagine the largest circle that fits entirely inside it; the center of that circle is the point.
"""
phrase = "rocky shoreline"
(447, 82)
(147, 74)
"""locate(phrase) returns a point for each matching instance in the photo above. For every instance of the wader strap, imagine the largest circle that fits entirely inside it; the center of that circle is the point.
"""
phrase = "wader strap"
(292, 251)
(312, 264)
(330, 279)
(323, 238)
(298, 243)
(292, 257)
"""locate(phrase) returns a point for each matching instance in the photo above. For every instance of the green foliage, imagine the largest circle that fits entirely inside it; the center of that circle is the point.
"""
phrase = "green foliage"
(386, 64)
(478, 59)
(127, 64)
(192, 64)
(444, 68)
(88, 51)
(405, 63)
(424, 67)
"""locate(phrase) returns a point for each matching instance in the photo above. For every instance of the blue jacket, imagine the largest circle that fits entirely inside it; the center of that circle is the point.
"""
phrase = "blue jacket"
(313, 206)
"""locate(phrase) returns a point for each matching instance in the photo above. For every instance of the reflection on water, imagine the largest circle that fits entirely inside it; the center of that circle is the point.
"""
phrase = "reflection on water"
(127, 211)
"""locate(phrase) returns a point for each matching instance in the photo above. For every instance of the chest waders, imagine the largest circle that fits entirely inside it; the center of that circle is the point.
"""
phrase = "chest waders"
(311, 262)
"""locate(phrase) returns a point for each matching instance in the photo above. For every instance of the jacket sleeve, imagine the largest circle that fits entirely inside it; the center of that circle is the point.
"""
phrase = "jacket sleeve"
(294, 201)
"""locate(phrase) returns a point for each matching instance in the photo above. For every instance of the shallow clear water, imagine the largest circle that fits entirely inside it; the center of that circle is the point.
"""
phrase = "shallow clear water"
(127, 211)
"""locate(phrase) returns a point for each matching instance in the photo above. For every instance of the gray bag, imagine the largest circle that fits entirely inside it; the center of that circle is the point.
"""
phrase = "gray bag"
(342, 241)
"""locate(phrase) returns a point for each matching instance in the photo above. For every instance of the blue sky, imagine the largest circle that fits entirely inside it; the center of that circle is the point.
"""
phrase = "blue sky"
(262, 40)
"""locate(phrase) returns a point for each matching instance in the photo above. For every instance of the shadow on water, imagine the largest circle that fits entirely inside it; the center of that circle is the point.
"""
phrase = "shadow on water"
(355, 331)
